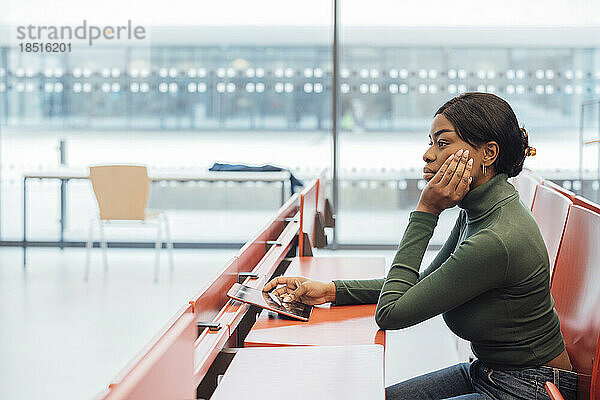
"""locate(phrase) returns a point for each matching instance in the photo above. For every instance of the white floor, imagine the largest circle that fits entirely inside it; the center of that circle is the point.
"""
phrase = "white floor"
(63, 338)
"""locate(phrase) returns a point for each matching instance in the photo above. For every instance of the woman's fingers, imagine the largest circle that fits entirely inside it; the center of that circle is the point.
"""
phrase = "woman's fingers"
(463, 185)
(282, 291)
(440, 173)
(280, 280)
(460, 169)
(296, 294)
(449, 173)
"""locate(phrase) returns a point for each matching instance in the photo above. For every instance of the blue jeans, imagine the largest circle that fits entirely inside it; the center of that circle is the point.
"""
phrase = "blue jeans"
(476, 381)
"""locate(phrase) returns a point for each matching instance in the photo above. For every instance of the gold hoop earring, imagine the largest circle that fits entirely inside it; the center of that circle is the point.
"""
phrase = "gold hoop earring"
(483, 167)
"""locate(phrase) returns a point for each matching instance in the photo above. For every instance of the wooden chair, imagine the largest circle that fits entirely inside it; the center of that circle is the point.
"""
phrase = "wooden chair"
(550, 209)
(576, 291)
(121, 192)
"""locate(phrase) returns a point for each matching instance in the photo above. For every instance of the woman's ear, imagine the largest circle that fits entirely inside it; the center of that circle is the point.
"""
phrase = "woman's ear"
(491, 150)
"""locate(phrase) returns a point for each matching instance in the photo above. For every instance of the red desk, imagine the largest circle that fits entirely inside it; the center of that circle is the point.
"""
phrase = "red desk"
(328, 325)
(329, 268)
(329, 372)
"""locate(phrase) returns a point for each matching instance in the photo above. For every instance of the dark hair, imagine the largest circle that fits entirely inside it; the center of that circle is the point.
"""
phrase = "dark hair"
(483, 117)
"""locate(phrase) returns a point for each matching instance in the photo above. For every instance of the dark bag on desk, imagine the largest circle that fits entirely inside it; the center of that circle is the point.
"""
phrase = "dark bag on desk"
(264, 168)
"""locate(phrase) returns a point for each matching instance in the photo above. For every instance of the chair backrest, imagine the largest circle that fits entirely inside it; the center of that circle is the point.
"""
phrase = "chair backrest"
(322, 192)
(308, 209)
(550, 209)
(121, 191)
(526, 185)
(532, 174)
(595, 385)
(585, 203)
(576, 287)
(570, 195)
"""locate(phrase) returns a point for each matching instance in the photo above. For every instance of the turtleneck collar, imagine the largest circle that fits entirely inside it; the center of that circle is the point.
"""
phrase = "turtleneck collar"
(485, 198)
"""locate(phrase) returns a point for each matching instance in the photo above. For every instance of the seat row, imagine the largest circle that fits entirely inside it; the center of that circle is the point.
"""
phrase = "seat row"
(203, 341)
(570, 226)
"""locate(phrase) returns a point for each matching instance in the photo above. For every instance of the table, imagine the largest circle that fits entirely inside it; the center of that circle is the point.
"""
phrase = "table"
(328, 325)
(320, 372)
(329, 268)
(64, 175)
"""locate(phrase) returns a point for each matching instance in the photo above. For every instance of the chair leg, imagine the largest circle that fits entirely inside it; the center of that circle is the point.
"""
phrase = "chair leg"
(103, 244)
(169, 241)
(88, 251)
(158, 245)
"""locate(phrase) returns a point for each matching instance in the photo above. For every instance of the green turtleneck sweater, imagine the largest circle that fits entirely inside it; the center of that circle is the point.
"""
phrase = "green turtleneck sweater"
(490, 280)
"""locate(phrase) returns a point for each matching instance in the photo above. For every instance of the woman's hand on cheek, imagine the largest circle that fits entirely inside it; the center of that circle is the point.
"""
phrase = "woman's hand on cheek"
(449, 185)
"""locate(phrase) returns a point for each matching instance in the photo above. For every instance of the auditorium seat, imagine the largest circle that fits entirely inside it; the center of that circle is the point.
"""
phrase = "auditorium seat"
(550, 209)
(558, 188)
(576, 291)
(526, 185)
(585, 203)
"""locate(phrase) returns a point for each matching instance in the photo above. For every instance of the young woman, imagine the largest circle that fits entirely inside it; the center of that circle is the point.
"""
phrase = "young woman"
(491, 278)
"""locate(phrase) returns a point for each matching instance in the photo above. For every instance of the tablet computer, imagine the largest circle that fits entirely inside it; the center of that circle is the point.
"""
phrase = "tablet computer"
(269, 301)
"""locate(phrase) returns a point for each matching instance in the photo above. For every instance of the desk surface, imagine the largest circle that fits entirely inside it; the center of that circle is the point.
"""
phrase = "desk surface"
(328, 372)
(178, 175)
(326, 322)
(329, 268)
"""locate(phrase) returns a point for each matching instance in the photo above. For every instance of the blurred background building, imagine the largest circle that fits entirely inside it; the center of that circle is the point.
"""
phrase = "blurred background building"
(234, 82)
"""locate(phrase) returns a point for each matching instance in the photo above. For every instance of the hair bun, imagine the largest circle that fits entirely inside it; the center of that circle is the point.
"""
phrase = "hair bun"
(531, 151)
(523, 132)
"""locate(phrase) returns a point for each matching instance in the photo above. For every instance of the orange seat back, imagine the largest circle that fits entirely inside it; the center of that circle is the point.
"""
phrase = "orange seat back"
(565, 192)
(550, 209)
(585, 203)
(576, 289)
(322, 193)
(595, 386)
(308, 209)
(526, 185)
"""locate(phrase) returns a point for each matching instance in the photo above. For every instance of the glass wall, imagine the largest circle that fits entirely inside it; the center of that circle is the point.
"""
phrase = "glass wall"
(400, 63)
(230, 83)
(252, 83)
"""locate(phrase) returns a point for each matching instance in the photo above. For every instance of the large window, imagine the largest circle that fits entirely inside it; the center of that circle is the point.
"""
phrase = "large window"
(233, 82)
(252, 83)
(402, 61)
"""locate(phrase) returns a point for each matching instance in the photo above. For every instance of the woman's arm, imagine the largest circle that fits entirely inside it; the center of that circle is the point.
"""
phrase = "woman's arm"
(445, 190)
(447, 248)
(367, 291)
(363, 291)
(478, 264)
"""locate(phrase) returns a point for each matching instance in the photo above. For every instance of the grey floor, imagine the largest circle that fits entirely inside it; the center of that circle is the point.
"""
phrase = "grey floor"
(63, 338)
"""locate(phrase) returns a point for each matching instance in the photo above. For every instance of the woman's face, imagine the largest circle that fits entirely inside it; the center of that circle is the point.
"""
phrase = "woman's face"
(444, 141)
